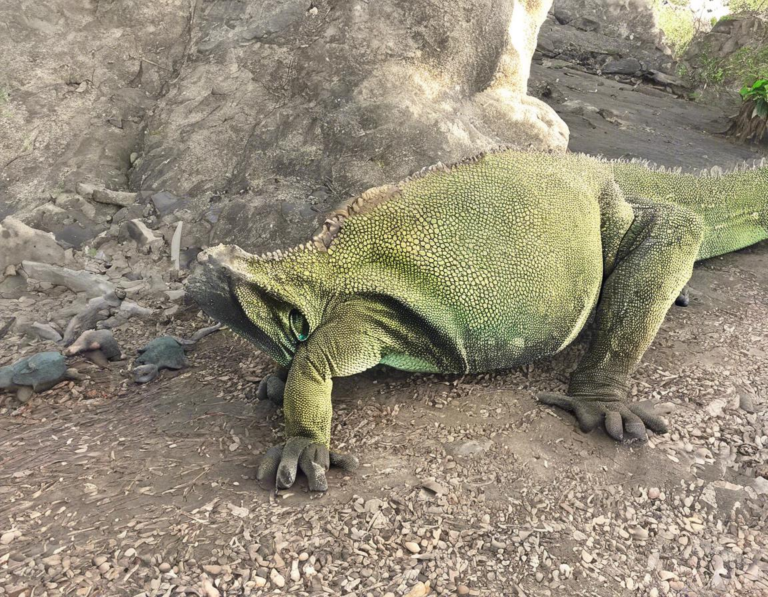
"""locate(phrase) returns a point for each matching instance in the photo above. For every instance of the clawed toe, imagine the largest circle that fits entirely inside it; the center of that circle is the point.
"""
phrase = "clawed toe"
(621, 421)
(300, 453)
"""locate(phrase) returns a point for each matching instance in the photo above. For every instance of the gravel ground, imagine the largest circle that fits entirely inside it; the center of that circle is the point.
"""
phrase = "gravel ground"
(467, 485)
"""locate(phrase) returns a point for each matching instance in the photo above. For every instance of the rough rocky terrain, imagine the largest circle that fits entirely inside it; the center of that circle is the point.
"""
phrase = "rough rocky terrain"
(467, 485)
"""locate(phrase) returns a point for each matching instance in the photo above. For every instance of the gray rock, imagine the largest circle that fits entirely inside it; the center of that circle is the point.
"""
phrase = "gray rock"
(98, 309)
(70, 203)
(138, 231)
(77, 281)
(120, 198)
(13, 287)
(165, 352)
(468, 448)
(747, 402)
(623, 66)
(43, 331)
(85, 189)
(132, 212)
(131, 309)
(41, 372)
(75, 235)
(145, 373)
(95, 340)
(19, 243)
(585, 24)
(165, 202)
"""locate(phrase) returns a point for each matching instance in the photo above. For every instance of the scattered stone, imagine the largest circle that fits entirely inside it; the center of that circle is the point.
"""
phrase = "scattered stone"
(175, 295)
(747, 402)
(623, 66)
(100, 340)
(20, 243)
(71, 203)
(98, 309)
(412, 546)
(77, 281)
(468, 448)
(120, 198)
(277, 578)
(132, 309)
(9, 537)
(41, 372)
(176, 246)
(137, 230)
(145, 373)
(85, 189)
(43, 331)
(654, 493)
(75, 235)
(160, 353)
(165, 202)
(132, 212)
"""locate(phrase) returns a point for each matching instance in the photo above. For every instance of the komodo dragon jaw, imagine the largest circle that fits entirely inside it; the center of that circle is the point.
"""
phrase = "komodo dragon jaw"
(487, 264)
(213, 286)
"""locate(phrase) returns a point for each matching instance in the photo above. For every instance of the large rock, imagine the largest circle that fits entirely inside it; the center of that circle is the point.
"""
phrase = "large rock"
(293, 105)
(92, 285)
(40, 372)
(19, 242)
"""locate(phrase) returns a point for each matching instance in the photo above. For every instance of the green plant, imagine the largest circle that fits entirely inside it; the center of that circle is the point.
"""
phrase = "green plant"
(758, 94)
(751, 123)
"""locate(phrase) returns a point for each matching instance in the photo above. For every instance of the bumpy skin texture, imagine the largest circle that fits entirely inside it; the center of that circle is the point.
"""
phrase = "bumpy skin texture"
(488, 264)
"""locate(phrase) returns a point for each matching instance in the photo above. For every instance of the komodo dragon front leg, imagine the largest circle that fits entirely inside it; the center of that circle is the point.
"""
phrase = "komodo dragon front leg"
(654, 261)
(349, 343)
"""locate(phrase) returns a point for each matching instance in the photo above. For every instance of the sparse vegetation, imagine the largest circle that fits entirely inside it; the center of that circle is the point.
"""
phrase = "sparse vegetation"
(677, 22)
(751, 124)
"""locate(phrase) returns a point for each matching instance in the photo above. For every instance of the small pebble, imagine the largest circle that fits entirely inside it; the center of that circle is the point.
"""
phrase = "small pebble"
(654, 493)
(165, 567)
(412, 546)
(277, 579)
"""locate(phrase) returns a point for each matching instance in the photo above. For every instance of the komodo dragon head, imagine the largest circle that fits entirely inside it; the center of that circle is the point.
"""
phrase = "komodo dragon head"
(257, 297)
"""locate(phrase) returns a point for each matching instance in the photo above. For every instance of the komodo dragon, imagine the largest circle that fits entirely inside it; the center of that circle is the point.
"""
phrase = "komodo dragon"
(493, 262)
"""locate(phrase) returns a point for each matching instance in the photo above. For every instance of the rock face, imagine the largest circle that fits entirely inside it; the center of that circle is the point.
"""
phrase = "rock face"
(622, 19)
(727, 37)
(291, 105)
(80, 122)
(298, 105)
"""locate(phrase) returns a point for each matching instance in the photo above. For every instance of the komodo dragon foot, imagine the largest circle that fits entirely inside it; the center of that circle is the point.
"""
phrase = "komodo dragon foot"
(621, 420)
(302, 453)
(271, 388)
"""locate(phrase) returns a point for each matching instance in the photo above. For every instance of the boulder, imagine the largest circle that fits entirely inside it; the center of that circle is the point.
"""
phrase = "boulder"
(92, 285)
(19, 242)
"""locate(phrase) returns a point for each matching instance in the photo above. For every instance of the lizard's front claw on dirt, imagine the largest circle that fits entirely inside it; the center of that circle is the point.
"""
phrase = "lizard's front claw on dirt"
(621, 420)
(271, 388)
(301, 453)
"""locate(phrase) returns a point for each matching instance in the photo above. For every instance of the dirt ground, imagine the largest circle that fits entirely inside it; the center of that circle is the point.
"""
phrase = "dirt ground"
(467, 485)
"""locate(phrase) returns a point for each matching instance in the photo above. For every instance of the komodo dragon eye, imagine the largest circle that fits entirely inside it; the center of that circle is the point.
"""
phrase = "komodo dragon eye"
(299, 325)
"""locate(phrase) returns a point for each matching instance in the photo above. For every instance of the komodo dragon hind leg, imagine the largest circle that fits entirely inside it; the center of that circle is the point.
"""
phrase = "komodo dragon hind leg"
(654, 262)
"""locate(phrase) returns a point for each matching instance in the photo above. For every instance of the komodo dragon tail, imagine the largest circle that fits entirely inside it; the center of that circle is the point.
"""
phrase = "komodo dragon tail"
(733, 204)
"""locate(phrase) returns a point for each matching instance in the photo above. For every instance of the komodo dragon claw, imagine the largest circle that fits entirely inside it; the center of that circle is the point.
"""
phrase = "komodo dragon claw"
(621, 420)
(271, 388)
(302, 453)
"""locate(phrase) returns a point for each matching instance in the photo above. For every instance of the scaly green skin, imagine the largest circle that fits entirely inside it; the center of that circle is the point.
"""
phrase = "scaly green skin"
(492, 263)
